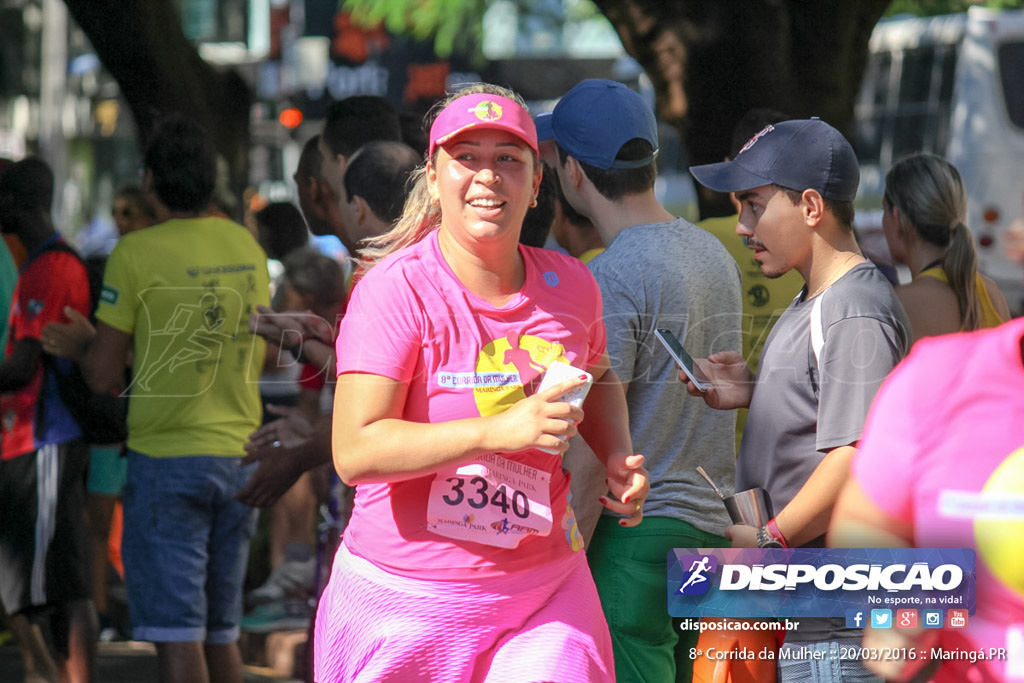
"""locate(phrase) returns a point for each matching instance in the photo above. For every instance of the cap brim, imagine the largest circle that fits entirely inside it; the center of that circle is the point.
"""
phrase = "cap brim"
(545, 127)
(727, 176)
(485, 125)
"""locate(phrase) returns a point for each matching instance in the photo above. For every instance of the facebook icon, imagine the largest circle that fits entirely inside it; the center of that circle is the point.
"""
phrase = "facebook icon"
(854, 618)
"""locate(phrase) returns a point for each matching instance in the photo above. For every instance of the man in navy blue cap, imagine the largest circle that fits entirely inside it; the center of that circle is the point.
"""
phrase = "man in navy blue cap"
(824, 359)
(658, 271)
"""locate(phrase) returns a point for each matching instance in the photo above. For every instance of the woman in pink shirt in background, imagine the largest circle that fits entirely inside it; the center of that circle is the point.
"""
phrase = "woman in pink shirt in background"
(462, 560)
(941, 465)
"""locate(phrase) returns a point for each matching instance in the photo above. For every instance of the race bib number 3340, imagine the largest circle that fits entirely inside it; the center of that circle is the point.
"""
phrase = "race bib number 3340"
(492, 500)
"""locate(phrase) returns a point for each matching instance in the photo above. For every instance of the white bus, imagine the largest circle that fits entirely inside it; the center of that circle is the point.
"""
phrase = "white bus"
(952, 85)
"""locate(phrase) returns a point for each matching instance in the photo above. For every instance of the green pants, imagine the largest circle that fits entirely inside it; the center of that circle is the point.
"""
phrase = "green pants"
(630, 568)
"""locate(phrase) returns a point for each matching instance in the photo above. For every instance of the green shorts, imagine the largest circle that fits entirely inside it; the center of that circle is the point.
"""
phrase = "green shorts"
(107, 470)
(630, 568)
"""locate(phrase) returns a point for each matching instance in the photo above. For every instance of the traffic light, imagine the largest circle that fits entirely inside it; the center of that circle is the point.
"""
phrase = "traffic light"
(290, 117)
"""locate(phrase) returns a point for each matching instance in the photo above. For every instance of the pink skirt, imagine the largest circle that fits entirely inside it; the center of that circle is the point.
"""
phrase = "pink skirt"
(543, 624)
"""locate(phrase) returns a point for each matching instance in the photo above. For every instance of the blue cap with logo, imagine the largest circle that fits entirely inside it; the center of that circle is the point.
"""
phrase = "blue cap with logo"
(798, 155)
(595, 119)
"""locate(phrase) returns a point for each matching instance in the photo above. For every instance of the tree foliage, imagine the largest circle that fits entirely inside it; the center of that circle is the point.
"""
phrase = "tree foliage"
(928, 8)
(451, 23)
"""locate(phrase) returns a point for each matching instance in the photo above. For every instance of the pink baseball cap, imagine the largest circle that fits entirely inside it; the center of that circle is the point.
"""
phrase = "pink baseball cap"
(482, 111)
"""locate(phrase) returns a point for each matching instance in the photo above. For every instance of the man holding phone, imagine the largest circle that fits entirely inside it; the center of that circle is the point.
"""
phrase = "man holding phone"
(658, 271)
(682, 359)
(824, 359)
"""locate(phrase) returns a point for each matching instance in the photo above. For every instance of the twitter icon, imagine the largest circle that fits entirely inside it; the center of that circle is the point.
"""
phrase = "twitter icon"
(881, 618)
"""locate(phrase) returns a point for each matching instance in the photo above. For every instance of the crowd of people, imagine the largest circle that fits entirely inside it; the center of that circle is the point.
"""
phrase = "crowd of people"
(476, 526)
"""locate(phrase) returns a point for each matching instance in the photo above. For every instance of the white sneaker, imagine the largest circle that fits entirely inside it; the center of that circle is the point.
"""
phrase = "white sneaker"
(291, 578)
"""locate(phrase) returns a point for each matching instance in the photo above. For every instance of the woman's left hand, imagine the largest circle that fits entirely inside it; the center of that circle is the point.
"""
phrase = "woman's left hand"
(629, 483)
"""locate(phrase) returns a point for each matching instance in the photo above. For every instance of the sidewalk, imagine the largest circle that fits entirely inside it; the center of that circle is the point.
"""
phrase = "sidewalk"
(127, 662)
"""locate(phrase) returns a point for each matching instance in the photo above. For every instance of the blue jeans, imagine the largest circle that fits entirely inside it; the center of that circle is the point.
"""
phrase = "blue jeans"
(185, 547)
(829, 668)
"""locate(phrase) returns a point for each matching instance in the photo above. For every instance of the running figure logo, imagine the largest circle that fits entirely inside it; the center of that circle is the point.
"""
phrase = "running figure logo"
(697, 581)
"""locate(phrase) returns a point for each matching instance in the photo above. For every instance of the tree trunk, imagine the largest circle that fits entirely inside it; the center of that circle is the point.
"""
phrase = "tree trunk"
(142, 44)
(711, 61)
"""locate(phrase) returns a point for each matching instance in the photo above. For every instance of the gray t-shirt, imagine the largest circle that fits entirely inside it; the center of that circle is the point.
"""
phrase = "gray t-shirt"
(797, 415)
(677, 276)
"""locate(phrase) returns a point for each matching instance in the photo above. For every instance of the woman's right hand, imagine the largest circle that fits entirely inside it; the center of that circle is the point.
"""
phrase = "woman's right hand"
(288, 328)
(538, 421)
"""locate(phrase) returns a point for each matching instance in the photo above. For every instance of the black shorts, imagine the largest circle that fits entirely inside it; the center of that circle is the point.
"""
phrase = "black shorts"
(44, 547)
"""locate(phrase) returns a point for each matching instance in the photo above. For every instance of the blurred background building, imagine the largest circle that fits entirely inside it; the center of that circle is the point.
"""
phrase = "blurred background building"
(57, 100)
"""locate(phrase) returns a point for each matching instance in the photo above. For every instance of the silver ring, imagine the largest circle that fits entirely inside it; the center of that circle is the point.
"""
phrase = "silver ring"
(276, 444)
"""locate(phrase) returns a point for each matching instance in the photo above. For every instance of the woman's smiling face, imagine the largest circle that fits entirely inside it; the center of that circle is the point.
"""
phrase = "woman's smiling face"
(485, 180)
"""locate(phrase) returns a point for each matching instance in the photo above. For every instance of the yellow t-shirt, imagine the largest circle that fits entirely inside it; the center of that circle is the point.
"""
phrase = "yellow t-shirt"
(989, 315)
(764, 298)
(590, 254)
(184, 290)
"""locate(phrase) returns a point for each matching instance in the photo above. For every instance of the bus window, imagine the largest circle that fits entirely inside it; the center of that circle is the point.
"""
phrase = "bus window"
(922, 110)
(1011, 69)
(871, 112)
(910, 133)
(945, 111)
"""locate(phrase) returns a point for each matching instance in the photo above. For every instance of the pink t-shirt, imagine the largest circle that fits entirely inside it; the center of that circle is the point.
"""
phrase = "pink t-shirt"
(943, 450)
(410, 319)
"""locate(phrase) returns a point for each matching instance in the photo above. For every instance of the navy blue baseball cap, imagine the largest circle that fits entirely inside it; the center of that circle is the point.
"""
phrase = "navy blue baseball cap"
(595, 119)
(798, 155)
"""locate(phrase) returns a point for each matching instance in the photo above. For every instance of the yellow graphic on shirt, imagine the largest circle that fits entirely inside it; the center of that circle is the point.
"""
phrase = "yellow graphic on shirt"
(571, 527)
(1000, 537)
(515, 362)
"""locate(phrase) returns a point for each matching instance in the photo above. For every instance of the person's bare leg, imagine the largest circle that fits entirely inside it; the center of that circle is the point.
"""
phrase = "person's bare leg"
(101, 513)
(293, 519)
(82, 629)
(39, 665)
(182, 663)
(224, 663)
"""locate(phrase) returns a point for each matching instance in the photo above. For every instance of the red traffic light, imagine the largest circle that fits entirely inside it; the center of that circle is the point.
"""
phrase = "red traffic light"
(290, 117)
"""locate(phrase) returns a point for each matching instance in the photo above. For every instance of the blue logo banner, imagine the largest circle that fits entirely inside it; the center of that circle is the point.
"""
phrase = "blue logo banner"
(857, 584)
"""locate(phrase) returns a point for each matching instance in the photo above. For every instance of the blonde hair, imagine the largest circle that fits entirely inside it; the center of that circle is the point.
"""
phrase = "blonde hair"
(932, 200)
(420, 216)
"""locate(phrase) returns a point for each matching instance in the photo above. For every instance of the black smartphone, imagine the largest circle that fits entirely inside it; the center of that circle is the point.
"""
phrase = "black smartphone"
(682, 358)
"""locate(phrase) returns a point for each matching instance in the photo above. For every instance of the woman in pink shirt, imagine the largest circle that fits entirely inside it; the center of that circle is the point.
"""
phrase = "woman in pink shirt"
(462, 560)
(941, 465)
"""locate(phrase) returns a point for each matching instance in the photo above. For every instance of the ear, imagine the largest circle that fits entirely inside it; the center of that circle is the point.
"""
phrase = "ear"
(575, 172)
(363, 210)
(431, 174)
(813, 207)
(320, 197)
(538, 175)
(313, 183)
(736, 204)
